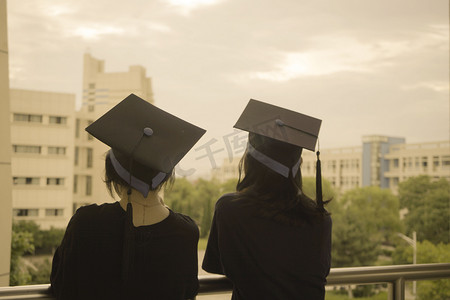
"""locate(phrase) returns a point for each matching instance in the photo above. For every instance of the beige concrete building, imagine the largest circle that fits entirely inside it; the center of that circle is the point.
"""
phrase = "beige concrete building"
(5, 153)
(42, 129)
(408, 160)
(101, 91)
(381, 161)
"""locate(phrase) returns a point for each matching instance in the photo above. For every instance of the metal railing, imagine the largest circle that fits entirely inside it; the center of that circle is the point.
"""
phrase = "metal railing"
(395, 276)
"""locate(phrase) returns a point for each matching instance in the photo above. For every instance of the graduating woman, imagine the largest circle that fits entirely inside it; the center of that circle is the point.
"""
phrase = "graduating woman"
(269, 238)
(136, 248)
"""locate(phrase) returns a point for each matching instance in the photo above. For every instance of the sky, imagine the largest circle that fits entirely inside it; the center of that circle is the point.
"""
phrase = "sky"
(362, 67)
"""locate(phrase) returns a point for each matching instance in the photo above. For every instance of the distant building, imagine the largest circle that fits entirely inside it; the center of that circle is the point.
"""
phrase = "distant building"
(42, 129)
(381, 161)
(101, 91)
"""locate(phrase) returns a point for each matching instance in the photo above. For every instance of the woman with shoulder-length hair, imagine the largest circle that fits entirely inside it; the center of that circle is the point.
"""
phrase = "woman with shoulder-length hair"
(269, 238)
(136, 248)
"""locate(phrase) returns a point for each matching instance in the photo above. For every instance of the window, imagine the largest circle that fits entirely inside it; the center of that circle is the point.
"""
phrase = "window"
(90, 108)
(92, 85)
(88, 185)
(89, 136)
(26, 180)
(55, 181)
(26, 149)
(57, 150)
(25, 212)
(57, 212)
(77, 128)
(28, 118)
(89, 157)
(57, 120)
(76, 154)
(75, 184)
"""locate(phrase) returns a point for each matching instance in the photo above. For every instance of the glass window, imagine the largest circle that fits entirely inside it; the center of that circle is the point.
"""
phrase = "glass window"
(89, 153)
(57, 150)
(28, 118)
(57, 212)
(88, 185)
(57, 120)
(77, 128)
(76, 154)
(55, 181)
(75, 184)
(26, 180)
(25, 212)
(26, 149)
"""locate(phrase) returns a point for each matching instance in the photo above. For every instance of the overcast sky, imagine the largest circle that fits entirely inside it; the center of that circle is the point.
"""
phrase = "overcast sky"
(363, 67)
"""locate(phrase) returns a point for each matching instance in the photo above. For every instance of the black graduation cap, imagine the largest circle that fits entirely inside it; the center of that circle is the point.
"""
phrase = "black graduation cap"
(283, 125)
(280, 123)
(151, 136)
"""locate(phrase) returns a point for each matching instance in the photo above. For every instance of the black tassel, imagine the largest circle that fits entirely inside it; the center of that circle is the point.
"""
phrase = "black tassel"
(128, 246)
(319, 196)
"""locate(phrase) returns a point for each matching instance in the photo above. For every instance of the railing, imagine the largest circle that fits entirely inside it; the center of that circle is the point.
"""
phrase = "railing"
(395, 276)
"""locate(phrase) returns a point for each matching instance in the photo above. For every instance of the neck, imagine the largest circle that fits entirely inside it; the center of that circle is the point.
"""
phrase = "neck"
(146, 210)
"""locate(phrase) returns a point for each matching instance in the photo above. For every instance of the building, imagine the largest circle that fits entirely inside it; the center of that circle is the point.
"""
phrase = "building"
(5, 152)
(101, 91)
(381, 161)
(42, 138)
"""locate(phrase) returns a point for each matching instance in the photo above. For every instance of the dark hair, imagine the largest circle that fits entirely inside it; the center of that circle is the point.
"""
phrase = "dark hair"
(111, 176)
(273, 195)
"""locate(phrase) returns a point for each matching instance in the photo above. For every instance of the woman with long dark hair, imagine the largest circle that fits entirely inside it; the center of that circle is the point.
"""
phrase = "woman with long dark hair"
(269, 238)
(136, 248)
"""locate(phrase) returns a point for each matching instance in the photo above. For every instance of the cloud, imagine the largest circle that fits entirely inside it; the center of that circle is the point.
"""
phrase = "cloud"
(96, 31)
(333, 54)
(186, 6)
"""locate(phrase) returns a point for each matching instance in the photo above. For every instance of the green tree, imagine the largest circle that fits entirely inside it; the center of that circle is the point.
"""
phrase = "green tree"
(21, 243)
(364, 219)
(207, 192)
(428, 206)
(309, 188)
(181, 198)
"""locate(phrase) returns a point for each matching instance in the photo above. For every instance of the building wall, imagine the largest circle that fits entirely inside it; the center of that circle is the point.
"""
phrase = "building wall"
(341, 166)
(408, 160)
(42, 128)
(101, 91)
(5, 153)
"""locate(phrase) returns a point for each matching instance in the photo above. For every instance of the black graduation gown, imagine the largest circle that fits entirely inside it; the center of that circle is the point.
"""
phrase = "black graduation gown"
(88, 263)
(265, 259)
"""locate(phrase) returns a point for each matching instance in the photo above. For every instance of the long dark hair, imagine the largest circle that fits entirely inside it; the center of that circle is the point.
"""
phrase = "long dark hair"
(273, 195)
(146, 174)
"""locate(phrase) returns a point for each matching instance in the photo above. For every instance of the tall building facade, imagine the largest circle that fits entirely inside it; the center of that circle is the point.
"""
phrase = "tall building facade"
(101, 91)
(42, 138)
(381, 161)
(5, 153)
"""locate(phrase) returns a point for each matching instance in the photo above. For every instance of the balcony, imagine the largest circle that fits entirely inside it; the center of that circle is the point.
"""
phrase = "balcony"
(395, 276)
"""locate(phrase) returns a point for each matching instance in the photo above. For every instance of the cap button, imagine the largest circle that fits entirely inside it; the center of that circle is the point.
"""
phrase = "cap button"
(148, 131)
(279, 122)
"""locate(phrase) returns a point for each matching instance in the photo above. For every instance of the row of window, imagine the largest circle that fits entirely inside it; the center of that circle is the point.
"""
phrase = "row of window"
(34, 212)
(37, 181)
(32, 149)
(421, 162)
(34, 118)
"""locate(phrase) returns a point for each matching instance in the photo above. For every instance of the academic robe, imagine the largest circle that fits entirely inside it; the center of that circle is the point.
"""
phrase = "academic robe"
(88, 263)
(265, 259)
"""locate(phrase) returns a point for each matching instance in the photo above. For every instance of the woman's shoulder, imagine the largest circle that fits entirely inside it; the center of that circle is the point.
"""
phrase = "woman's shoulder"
(184, 220)
(92, 214)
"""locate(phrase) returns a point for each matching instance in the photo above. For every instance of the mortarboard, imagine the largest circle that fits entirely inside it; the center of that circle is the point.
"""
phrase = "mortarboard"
(280, 124)
(144, 135)
(283, 125)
